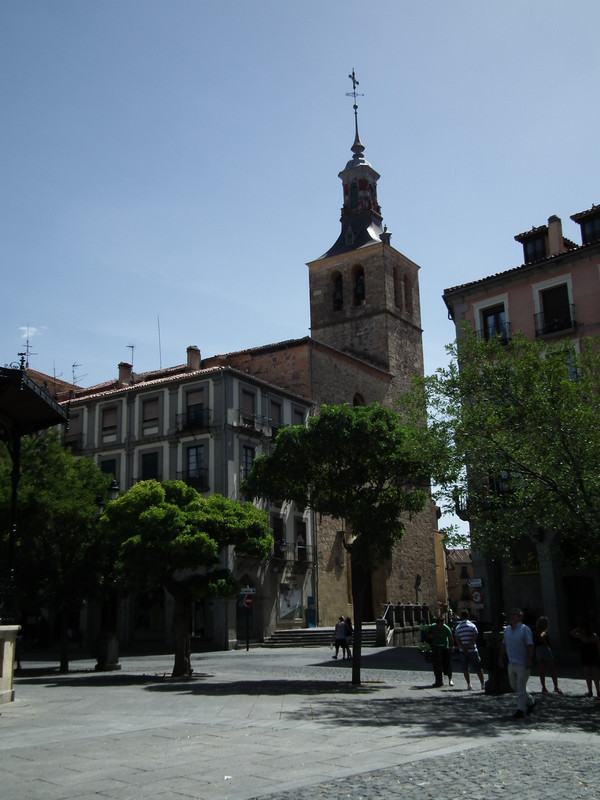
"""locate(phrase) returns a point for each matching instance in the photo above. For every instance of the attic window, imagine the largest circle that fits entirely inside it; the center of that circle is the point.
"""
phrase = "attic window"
(534, 249)
(590, 230)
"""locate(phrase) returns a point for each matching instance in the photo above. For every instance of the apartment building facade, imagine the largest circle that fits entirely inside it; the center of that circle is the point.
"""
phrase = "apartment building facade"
(203, 423)
(553, 294)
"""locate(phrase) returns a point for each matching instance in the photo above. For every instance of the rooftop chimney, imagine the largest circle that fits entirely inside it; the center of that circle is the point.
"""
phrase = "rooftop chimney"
(193, 358)
(556, 242)
(125, 373)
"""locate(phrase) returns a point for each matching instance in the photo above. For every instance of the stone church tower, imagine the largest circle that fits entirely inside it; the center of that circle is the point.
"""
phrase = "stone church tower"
(365, 308)
(364, 294)
(365, 346)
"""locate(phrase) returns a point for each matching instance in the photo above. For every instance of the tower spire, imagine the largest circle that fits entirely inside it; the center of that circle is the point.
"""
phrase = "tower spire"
(358, 147)
(361, 215)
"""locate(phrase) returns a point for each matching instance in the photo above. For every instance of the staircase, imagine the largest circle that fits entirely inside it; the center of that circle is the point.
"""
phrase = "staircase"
(314, 637)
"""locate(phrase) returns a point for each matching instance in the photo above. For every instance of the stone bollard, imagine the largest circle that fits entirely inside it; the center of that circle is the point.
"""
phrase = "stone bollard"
(381, 629)
(8, 644)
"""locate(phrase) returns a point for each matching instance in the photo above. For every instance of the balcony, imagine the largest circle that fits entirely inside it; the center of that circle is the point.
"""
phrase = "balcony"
(500, 331)
(196, 478)
(298, 554)
(558, 320)
(74, 441)
(196, 418)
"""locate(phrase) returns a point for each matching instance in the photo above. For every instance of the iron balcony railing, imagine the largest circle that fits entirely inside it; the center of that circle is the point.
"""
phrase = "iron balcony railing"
(194, 419)
(197, 478)
(557, 321)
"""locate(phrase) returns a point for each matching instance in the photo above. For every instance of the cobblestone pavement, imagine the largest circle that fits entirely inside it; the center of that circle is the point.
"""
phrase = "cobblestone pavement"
(289, 725)
(525, 770)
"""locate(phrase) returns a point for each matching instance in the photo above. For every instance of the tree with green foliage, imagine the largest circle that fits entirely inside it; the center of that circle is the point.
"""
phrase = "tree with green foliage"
(519, 421)
(59, 551)
(172, 537)
(357, 464)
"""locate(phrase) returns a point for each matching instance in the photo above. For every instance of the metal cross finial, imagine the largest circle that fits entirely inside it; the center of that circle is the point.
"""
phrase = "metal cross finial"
(357, 147)
(354, 93)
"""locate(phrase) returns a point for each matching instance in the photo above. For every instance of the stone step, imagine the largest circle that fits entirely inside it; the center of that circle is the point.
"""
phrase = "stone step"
(313, 637)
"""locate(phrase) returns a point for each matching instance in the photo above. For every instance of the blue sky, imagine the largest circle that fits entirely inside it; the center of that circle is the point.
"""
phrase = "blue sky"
(173, 164)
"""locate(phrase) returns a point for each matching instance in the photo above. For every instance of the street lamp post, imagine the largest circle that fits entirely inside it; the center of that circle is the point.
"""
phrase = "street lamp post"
(107, 648)
(314, 617)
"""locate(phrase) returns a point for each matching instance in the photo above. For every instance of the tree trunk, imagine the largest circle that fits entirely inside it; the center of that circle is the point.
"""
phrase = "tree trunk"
(359, 584)
(182, 633)
(64, 641)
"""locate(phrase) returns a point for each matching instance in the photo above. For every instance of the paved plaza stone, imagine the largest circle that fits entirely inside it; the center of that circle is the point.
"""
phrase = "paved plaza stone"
(287, 724)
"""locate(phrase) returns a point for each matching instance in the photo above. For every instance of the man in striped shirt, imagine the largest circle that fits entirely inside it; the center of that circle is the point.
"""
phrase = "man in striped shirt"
(465, 636)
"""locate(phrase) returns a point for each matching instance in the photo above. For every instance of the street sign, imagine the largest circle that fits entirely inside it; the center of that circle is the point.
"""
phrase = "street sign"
(248, 600)
(475, 583)
(477, 596)
(248, 590)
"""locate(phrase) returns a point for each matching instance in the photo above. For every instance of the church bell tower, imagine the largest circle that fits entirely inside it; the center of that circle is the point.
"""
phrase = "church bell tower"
(364, 294)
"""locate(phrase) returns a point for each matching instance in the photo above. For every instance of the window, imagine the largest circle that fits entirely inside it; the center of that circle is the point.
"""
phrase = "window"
(248, 407)
(556, 312)
(590, 230)
(358, 400)
(494, 322)
(397, 289)
(276, 415)
(109, 466)
(408, 297)
(534, 249)
(248, 455)
(278, 536)
(74, 434)
(195, 474)
(297, 416)
(150, 466)
(109, 425)
(150, 415)
(338, 292)
(359, 287)
(195, 460)
(354, 195)
(301, 551)
(194, 408)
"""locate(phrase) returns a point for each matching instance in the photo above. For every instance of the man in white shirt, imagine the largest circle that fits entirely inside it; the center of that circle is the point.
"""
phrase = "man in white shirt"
(465, 636)
(518, 647)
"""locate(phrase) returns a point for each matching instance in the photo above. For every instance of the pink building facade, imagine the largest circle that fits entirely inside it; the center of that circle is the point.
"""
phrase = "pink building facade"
(553, 294)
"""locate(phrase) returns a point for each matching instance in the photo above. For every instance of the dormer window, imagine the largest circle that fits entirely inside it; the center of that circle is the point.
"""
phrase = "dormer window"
(590, 231)
(535, 244)
(589, 221)
(535, 249)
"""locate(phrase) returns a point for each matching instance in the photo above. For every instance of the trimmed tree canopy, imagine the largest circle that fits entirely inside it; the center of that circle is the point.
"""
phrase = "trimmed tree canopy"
(171, 536)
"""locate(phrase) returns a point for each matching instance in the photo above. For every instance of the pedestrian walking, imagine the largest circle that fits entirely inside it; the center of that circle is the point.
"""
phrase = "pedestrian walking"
(442, 646)
(339, 637)
(349, 635)
(465, 637)
(517, 647)
(544, 654)
(590, 655)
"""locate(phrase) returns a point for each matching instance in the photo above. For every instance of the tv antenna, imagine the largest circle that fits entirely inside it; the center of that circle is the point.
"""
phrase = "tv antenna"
(28, 350)
(132, 348)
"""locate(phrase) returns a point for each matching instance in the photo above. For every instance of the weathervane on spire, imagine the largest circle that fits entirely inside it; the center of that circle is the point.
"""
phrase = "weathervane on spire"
(357, 147)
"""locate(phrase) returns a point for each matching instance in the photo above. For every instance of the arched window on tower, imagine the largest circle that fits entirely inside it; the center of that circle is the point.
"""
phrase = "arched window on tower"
(359, 286)
(338, 291)
(408, 299)
(397, 289)
(354, 195)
